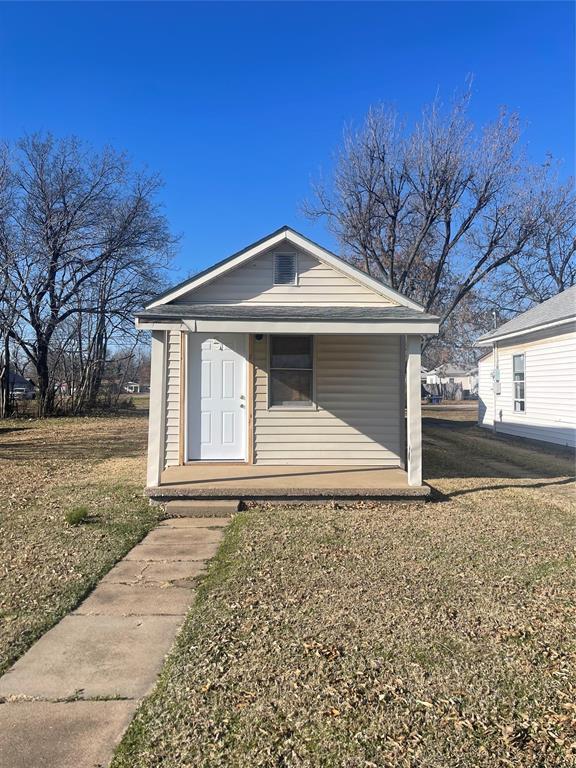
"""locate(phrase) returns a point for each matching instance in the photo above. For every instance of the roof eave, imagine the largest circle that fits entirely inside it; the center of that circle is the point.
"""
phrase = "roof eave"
(487, 340)
(426, 325)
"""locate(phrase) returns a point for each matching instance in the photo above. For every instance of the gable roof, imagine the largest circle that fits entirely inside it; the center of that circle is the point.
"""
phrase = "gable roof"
(279, 237)
(17, 380)
(558, 309)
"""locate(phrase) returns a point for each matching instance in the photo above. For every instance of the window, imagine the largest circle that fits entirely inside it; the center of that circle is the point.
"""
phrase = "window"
(285, 269)
(291, 371)
(519, 381)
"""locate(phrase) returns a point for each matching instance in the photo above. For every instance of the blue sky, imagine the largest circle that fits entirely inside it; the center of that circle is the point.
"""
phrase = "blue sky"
(239, 105)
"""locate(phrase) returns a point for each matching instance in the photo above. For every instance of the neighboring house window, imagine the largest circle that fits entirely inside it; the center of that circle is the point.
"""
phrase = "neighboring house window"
(518, 362)
(291, 371)
(285, 272)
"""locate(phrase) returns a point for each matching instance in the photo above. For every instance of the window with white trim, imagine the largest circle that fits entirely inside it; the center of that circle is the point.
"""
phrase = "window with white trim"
(291, 371)
(518, 369)
(285, 269)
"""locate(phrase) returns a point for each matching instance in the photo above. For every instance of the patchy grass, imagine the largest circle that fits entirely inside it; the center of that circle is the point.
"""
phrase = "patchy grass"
(77, 515)
(141, 402)
(427, 635)
(54, 475)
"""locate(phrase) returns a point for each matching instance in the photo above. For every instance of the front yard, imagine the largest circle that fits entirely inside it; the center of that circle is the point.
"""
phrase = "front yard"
(88, 470)
(436, 635)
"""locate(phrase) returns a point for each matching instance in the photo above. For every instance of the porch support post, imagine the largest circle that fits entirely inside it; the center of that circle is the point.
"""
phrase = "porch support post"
(413, 410)
(157, 415)
(182, 403)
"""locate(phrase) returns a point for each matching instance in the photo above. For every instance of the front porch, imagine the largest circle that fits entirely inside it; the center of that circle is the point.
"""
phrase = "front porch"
(275, 483)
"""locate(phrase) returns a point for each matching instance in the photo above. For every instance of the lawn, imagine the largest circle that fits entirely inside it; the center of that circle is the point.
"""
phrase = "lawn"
(439, 635)
(89, 471)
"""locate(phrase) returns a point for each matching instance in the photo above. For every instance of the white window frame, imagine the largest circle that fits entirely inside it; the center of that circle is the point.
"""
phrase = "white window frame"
(312, 406)
(522, 381)
(294, 254)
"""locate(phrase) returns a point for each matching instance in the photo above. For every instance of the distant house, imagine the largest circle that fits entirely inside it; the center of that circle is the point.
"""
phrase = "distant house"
(21, 388)
(284, 356)
(135, 388)
(527, 378)
(454, 378)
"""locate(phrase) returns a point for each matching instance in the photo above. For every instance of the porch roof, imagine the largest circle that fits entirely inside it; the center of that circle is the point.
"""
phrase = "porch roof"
(288, 318)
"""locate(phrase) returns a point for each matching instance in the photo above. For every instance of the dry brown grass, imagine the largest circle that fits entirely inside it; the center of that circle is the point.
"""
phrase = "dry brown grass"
(438, 635)
(48, 469)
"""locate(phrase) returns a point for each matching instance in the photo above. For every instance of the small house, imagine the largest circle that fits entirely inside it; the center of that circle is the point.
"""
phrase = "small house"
(527, 376)
(284, 371)
(136, 388)
(21, 388)
(453, 381)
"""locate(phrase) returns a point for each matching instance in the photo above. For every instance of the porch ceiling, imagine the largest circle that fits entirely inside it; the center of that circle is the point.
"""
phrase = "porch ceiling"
(249, 481)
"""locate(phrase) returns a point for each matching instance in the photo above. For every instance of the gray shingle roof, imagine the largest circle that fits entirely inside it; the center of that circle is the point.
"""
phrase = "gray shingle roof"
(560, 307)
(17, 380)
(280, 312)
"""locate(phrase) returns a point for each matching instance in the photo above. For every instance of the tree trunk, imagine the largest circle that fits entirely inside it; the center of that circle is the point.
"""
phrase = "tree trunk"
(97, 369)
(45, 388)
(5, 402)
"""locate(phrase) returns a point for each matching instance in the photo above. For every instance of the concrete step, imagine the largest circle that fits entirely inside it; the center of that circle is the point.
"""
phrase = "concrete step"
(193, 508)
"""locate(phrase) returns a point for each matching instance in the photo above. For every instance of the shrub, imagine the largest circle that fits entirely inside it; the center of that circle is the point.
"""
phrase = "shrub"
(77, 515)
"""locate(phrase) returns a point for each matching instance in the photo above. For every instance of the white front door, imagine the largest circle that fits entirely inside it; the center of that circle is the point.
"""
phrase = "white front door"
(217, 396)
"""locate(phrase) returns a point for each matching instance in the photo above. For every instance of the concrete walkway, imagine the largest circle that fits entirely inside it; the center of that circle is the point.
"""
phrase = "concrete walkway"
(68, 700)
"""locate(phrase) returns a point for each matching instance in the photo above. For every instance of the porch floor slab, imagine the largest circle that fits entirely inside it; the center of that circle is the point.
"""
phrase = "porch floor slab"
(254, 482)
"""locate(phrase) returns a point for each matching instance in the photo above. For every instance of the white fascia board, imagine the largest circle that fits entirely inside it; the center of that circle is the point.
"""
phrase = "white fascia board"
(523, 332)
(155, 325)
(354, 274)
(218, 271)
(394, 327)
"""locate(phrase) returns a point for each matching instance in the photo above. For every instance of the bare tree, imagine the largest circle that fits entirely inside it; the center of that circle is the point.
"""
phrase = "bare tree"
(436, 211)
(8, 291)
(548, 265)
(81, 227)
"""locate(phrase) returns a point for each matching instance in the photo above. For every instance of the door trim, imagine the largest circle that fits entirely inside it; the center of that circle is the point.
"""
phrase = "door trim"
(250, 401)
(244, 353)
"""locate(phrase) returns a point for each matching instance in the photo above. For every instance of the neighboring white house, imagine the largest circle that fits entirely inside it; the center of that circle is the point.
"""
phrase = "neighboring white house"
(135, 388)
(527, 378)
(466, 378)
(285, 355)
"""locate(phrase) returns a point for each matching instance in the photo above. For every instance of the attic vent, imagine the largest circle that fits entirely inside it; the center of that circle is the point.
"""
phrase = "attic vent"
(284, 269)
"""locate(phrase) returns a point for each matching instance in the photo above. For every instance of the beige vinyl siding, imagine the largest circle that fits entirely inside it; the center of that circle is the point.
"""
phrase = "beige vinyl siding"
(485, 392)
(550, 387)
(358, 396)
(253, 283)
(172, 426)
